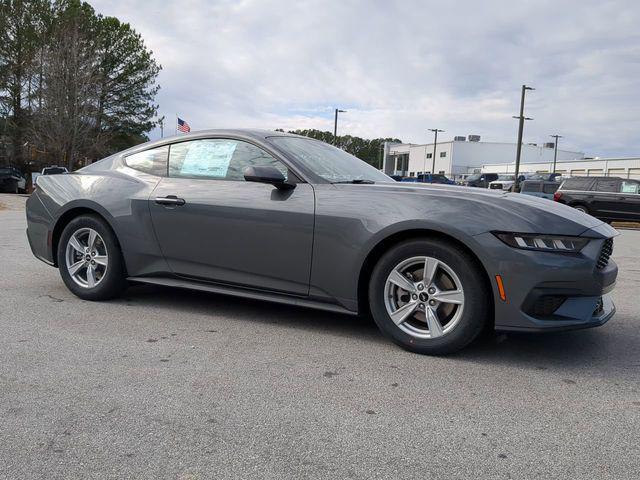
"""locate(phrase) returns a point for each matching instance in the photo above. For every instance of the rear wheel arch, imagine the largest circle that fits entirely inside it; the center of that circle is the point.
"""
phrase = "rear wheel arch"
(388, 242)
(64, 219)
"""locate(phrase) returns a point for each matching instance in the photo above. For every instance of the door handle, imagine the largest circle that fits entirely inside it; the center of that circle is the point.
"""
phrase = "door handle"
(170, 200)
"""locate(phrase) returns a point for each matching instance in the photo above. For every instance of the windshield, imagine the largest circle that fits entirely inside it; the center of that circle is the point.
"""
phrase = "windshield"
(506, 177)
(53, 170)
(5, 171)
(473, 178)
(328, 162)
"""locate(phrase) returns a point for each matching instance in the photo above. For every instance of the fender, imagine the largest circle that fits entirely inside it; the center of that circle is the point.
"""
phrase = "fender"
(408, 226)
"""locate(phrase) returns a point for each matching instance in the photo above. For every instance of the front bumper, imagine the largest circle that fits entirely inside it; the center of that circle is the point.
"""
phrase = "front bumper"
(581, 304)
(550, 291)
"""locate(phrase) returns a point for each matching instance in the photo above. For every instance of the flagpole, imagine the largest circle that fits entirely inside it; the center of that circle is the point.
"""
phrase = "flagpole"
(176, 124)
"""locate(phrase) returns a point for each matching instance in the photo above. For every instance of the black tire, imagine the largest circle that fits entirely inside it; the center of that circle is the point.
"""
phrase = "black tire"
(581, 208)
(477, 296)
(114, 280)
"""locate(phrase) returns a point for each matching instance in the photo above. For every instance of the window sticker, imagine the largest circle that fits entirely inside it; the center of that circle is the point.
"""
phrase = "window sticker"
(208, 158)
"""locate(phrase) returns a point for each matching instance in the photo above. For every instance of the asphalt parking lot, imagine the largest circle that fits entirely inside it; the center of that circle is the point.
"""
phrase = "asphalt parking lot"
(173, 384)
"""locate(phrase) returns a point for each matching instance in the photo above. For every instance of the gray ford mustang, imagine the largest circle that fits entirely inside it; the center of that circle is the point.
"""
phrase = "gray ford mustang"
(278, 217)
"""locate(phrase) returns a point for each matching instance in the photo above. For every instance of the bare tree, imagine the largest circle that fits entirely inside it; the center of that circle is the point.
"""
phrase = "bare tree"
(66, 122)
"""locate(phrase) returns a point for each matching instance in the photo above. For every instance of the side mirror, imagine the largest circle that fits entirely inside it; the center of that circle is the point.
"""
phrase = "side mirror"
(267, 174)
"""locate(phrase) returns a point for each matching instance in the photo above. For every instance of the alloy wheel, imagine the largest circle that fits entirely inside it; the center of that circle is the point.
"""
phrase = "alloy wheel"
(424, 297)
(86, 257)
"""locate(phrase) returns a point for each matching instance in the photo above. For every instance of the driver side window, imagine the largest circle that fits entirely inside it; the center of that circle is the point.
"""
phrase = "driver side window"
(629, 187)
(218, 159)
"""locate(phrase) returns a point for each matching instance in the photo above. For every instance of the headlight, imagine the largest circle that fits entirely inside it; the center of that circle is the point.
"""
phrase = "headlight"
(543, 243)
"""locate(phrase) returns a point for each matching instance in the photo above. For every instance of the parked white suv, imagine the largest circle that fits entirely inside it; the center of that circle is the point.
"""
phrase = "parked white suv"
(504, 182)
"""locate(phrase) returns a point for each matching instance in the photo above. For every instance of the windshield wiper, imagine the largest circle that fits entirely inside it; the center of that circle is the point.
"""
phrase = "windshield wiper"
(357, 181)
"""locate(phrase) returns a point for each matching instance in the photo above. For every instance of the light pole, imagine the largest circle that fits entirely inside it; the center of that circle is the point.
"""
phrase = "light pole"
(335, 126)
(433, 159)
(555, 151)
(161, 124)
(521, 119)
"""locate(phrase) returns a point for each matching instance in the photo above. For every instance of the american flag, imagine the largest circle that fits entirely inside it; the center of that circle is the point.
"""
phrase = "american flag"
(183, 126)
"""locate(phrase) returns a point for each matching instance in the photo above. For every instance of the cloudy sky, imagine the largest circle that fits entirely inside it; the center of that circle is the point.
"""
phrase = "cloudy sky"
(400, 68)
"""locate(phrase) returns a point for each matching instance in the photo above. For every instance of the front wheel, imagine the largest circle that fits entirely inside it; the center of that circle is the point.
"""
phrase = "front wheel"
(90, 260)
(429, 296)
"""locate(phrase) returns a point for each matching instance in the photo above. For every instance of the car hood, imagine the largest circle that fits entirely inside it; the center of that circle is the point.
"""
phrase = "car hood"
(482, 210)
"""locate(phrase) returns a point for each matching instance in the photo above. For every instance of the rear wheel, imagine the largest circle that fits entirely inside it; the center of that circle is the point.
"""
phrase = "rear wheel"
(581, 208)
(429, 296)
(90, 260)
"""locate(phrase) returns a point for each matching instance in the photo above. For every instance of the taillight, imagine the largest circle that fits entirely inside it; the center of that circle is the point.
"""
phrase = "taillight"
(557, 196)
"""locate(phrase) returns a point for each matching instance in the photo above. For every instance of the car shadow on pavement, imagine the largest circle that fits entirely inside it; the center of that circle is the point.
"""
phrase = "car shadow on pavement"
(249, 310)
(603, 349)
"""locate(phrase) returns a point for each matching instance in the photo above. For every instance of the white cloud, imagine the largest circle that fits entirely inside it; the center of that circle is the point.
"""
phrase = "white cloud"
(400, 67)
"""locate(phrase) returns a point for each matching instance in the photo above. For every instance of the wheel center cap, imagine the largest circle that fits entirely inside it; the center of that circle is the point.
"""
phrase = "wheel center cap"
(423, 297)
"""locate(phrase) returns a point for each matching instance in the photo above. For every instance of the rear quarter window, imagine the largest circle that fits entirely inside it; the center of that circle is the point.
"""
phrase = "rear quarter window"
(550, 187)
(152, 161)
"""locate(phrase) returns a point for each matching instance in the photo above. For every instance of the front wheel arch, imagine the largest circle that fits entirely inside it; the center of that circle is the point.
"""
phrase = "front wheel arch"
(385, 244)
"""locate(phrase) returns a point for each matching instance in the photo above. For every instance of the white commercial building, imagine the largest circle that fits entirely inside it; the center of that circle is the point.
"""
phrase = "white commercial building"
(612, 167)
(459, 158)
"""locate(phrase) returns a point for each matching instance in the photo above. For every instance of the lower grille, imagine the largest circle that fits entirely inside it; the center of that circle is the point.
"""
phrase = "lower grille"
(495, 186)
(599, 310)
(605, 254)
(546, 305)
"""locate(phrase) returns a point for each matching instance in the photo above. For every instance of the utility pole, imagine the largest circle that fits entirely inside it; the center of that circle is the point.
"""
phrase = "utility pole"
(161, 123)
(435, 144)
(335, 126)
(521, 118)
(555, 151)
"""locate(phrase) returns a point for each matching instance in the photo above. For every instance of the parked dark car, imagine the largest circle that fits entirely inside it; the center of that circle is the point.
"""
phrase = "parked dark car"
(481, 180)
(429, 178)
(606, 198)
(539, 188)
(279, 217)
(12, 180)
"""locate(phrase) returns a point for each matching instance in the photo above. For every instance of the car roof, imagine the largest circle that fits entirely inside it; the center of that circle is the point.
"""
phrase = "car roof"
(597, 178)
(245, 133)
(236, 132)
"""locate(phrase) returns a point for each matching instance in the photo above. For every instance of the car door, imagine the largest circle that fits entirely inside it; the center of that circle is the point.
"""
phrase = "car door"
(213, 225)
(630, 200)
(606, 200)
